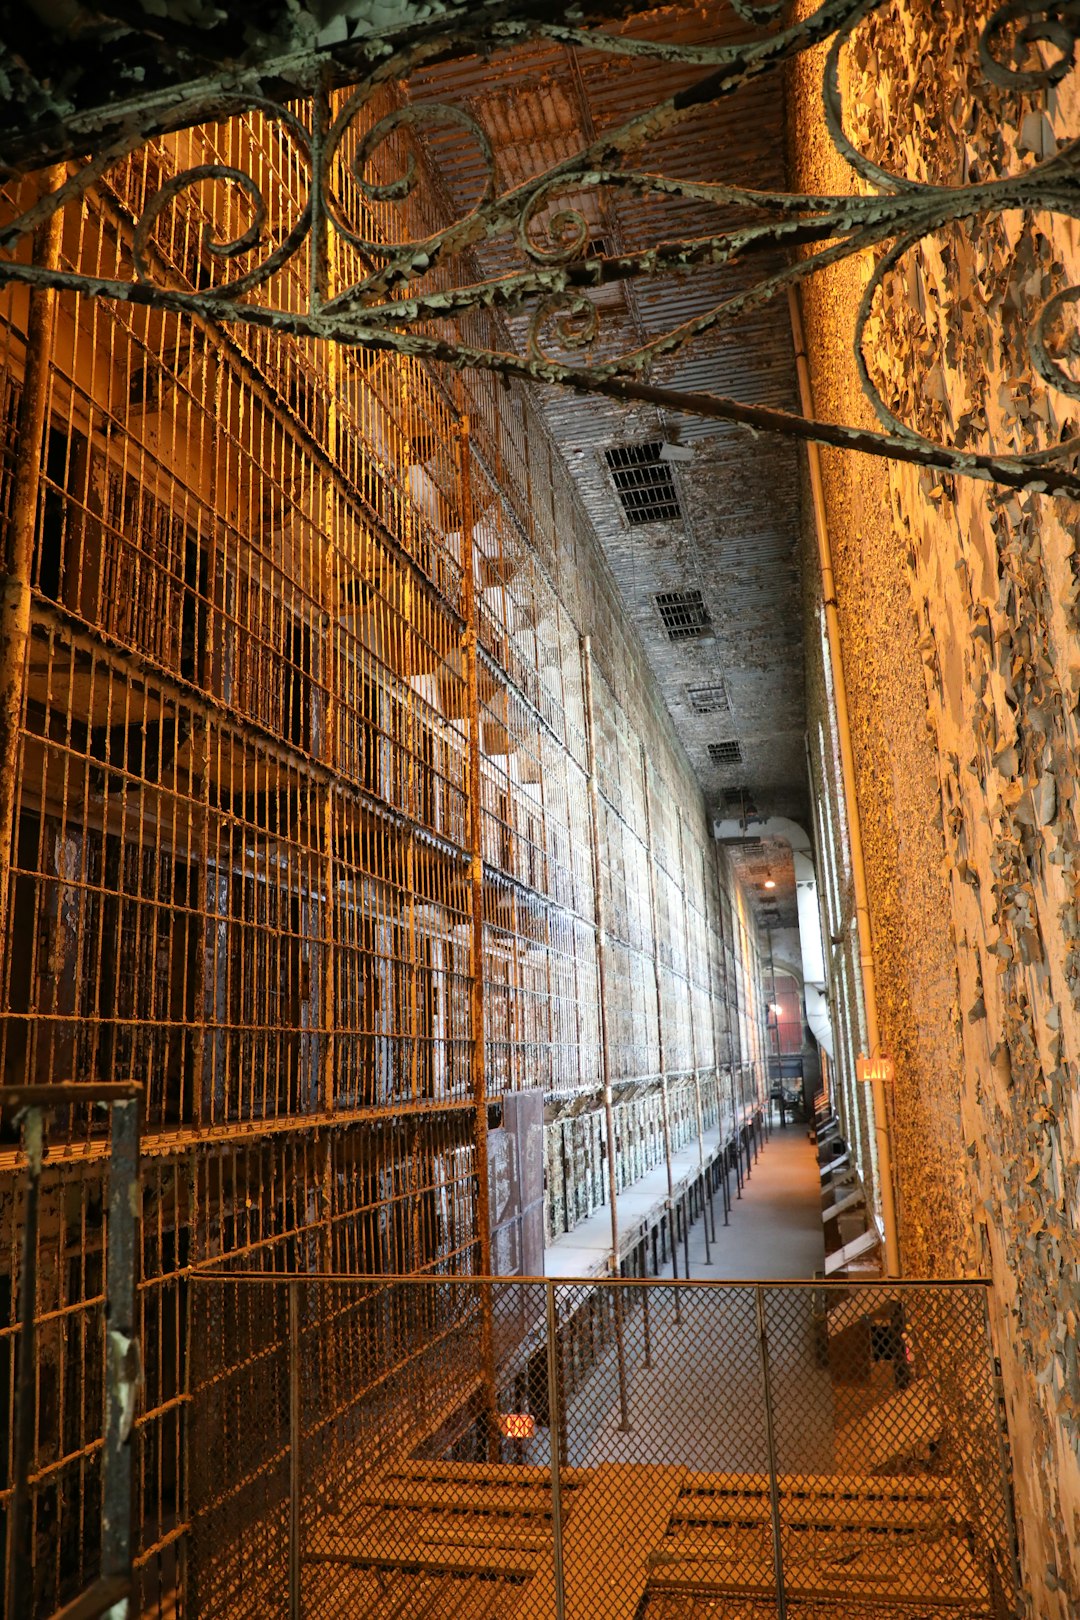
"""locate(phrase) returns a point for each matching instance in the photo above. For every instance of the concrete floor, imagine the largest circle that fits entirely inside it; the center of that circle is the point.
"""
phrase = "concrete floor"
(696, 1398)
(775, 1228)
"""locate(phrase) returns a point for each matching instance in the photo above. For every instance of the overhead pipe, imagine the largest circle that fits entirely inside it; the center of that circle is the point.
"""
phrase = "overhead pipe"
(847, 767)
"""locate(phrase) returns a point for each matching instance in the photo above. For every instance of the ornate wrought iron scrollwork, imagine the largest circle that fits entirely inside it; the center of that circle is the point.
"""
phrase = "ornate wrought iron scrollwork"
(410, 291)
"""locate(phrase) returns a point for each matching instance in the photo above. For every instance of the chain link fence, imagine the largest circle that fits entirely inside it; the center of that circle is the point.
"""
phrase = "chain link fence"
(523, 1450)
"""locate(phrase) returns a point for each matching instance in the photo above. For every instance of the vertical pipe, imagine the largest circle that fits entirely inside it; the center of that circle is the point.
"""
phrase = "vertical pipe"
(745, 1131)
(601, 975)
(25, 487)
(295, 1598)
(850, 790)
(736, 1106)
(477, 1050)
(20, 1539)
(556, 1445)
(770, 1437)
(713, 938)
(327, 992)
(776, 1030)
(123, 1360)
(657, 988)
(693, 1037)
(666, 1118)
(645, 1325)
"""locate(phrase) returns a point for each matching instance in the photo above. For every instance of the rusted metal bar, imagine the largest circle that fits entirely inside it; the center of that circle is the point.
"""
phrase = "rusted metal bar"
(123, 1355)
(770, 1440)
(295, 1595)
(65, 1093)
(556, 1444)
(601, 979)
(646, 1329)
(20, 1539)
(22, 531)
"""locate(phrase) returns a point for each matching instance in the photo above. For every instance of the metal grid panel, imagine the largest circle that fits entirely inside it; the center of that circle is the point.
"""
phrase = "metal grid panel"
(243, 823)
(596, 1450)
(644, 483)
(684, 614)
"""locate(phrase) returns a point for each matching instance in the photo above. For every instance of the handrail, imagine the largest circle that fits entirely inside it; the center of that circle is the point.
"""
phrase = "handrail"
(204, 1273)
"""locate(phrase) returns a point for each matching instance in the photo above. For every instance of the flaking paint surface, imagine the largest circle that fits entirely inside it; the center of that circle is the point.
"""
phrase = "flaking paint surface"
(958, 607)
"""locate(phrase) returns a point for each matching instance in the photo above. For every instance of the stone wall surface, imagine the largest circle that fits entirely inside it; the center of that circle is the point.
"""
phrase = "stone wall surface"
(959, 616)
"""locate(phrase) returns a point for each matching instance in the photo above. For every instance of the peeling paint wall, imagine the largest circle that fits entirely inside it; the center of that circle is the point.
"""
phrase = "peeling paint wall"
(958, 615)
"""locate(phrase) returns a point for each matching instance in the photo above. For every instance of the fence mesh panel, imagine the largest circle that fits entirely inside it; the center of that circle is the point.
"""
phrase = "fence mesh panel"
(390, 1449)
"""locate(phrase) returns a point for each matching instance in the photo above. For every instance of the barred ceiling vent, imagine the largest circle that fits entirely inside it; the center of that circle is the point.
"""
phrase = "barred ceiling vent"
(725, 753)
(707, 699)
(684, 614)
(643, 483)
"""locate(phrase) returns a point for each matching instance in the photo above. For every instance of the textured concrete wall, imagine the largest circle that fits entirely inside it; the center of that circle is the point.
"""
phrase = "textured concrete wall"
(958, 616)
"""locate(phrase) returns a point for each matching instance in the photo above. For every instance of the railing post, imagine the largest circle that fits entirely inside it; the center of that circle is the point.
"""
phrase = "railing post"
(20, 1560)
(295, 1605)
(123, 1358)
(770, 1436)
(645, 1328)
(555, 1446)
(737, 1114)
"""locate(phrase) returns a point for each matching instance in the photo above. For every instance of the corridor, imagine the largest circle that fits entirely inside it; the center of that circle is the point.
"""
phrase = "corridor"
(774, 1232)
(775, 1228)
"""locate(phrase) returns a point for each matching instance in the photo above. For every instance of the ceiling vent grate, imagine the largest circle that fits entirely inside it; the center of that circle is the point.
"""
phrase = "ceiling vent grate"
(707, 699)
(725, 753)
(643, 483)
(684, 614)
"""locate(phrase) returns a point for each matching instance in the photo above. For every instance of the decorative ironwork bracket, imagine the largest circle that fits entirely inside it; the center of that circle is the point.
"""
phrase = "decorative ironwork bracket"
(409, 300)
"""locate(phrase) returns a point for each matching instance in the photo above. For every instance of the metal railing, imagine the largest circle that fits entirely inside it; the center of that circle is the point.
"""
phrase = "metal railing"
(438, 1446)
(26, 1511)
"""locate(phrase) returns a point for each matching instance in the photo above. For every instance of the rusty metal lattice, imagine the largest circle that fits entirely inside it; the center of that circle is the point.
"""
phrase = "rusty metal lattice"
(296, 829)
(595, 1450)
(81, 1502)
(307, 217)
